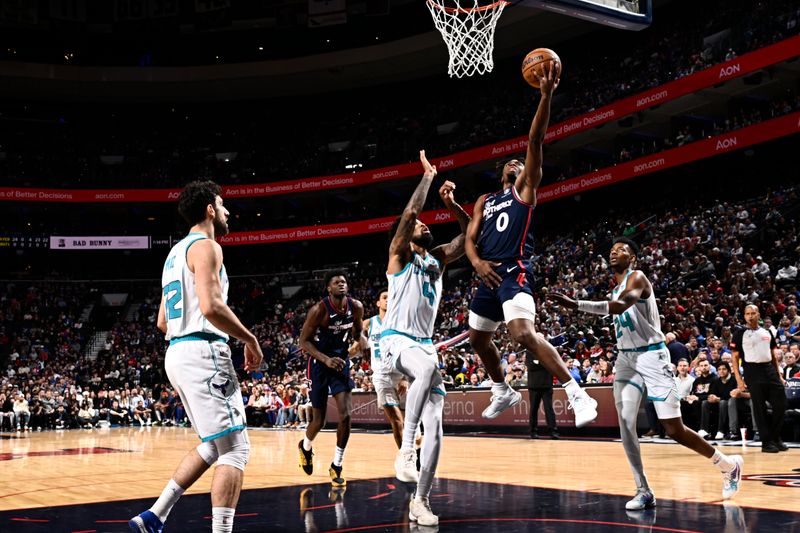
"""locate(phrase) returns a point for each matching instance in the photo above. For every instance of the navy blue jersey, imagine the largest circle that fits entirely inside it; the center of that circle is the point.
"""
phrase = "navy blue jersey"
(333, 339)
(507, 227)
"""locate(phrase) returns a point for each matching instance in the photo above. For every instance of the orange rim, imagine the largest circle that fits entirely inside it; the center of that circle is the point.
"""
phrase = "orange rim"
(452, 10)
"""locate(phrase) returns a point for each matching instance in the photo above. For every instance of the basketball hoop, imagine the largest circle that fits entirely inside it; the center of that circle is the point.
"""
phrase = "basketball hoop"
(468, 31)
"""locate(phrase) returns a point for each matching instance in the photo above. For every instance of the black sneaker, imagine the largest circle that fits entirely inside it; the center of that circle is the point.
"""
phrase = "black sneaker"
(781, 446)
(336, 476)
(535, 435)
(769, 447)
(306, 459)
(554, 434)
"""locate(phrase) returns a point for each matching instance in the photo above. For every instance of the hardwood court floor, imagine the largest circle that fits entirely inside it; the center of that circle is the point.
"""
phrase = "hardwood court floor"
(86, 466)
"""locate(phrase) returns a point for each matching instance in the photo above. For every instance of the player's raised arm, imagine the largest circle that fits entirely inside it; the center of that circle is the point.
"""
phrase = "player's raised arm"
(447, 253)
(528, 181)
(484, 269)
(399, 250)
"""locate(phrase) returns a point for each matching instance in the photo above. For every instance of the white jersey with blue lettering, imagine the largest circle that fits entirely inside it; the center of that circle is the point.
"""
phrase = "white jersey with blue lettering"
(375, 327)
(181, 304)
(640, 325)
(414, 295)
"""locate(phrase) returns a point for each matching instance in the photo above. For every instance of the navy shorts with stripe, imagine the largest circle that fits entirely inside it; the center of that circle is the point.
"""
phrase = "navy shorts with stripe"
(326, 381)
(488, 302)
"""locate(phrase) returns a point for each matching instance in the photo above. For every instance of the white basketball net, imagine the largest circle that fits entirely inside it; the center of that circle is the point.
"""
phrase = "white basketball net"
(467, 28)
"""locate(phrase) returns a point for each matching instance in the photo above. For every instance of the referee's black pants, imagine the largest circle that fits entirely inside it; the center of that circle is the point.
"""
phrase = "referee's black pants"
(539, 397)
(761, 392)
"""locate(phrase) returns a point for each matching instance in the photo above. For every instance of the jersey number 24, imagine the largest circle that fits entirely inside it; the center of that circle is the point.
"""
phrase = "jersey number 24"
(622, 321)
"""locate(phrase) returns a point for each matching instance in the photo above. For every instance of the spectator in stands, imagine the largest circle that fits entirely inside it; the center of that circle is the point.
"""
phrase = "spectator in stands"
(164, 409)
(790, 364)
(85, 415)
(6, 411)
(699, 393)
(677, 350)
(274, 405)
(22, 412)
(142, 414)
(606, 371)
(718, 402)
(304, 409)
(118, 416)
(255, 408)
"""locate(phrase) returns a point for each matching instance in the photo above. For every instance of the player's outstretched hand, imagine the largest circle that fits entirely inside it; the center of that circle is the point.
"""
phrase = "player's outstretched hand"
(562, 300)
(252, 355)
(549, 81)
(485, 270)
(446, 193)
(429, 170)
(335, 363)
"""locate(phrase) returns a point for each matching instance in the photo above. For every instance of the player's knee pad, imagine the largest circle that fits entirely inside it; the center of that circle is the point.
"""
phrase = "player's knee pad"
(234, 449)
(208, 452)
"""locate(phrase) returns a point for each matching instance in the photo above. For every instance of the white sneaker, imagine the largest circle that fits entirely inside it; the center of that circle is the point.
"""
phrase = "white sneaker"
(585, 408)
(642, 500)
(419, 511)
(501, 402)
(702, 433)
(730, 480)
(719, 436)
(405, 466)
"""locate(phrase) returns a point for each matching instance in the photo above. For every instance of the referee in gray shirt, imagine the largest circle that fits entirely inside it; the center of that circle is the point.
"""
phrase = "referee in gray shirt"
(754, 348)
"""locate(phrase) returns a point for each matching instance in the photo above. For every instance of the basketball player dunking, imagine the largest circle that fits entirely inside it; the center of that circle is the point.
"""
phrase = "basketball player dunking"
(499, 245)
(414, 273)
(643, 364)
(325, 338)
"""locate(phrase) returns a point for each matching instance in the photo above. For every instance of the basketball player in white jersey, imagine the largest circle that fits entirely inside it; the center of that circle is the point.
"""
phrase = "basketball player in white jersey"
(415, 288)
(643, 367)
(198, 323)
(388, 386)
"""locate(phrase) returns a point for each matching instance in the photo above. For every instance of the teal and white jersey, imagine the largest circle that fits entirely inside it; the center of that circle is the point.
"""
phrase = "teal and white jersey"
(375, 328)
(414, 295)
(640, 325)
(181, 304)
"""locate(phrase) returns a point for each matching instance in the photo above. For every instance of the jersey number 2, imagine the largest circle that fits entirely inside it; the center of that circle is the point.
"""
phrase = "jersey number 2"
(172, 302)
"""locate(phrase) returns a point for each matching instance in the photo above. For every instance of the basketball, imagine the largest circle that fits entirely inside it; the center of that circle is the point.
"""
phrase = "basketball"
(534, 62)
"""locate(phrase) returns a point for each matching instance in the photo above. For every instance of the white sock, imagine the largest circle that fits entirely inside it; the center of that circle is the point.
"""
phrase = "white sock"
(724, 462)
(307, 444)
(222, 519)
(337, 459)
(572, 388)
(499, 388)
(169, 497)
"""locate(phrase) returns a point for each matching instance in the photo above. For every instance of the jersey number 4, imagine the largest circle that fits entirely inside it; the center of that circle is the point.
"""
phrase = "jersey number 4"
(429, 292)
(173, 294)
(622, 321)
